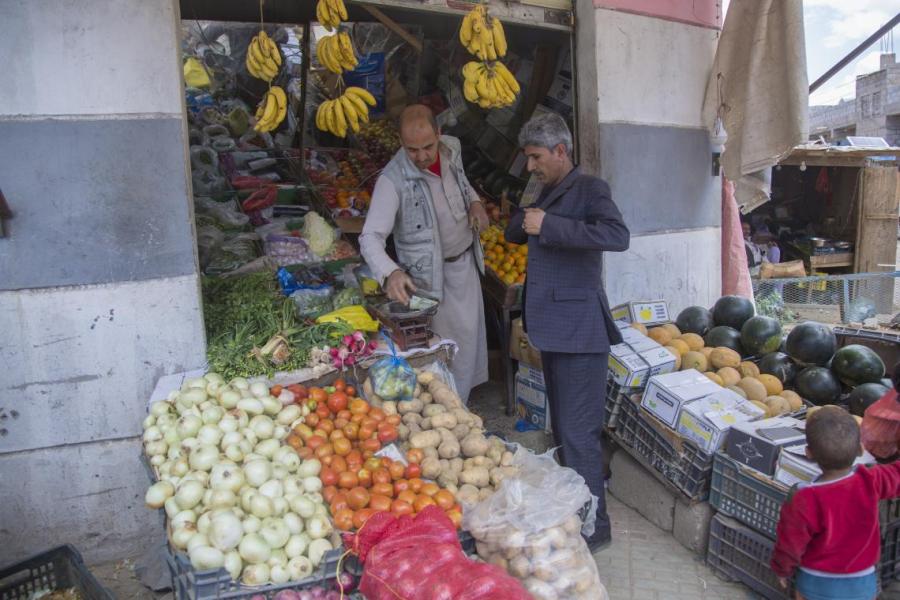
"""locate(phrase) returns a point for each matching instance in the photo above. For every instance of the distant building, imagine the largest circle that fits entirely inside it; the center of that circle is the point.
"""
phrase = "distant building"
(875, 112)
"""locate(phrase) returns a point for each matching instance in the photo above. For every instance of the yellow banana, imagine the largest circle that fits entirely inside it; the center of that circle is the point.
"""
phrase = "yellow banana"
(465, 30)
(342, 9)
(350, 113)
(469, 91)
(271, 106)
(508, 77)
(282, 102)
(362, 109)
(364, 94)
(323, 15)
(270, 45)
(346, 46)
(329, 116)
(253, 67)
(320, 113)
(339, 118)
(499, 37)
(334, 11)
(470, 70)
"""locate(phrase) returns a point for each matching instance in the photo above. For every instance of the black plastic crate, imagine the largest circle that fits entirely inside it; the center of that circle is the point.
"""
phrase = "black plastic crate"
(57, 569)
(190, 584)
(676, 459)
(755, 500)
(615, 395)
(737, 553)
(737, 491)
(889, 567)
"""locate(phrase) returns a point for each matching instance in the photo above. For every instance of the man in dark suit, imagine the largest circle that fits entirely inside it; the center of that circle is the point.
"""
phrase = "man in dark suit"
(566, 313)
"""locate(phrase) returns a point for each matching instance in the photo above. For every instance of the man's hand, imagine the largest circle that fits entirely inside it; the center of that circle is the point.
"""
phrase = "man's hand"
(478, 217)
(399, 286)
(534, 217)
(783, 582)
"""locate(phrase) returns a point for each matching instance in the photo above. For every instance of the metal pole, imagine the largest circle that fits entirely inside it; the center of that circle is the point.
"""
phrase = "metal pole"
(854, 53)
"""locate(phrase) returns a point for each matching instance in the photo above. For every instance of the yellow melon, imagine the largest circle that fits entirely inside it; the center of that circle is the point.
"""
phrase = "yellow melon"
(793, 399)
(677, 354)
(640, 327)
(672, 329)
(738, 391)
(694, 341)
(660, 336)
(681, 345)
(694, 360)
(714, 378)
(724, 357)
(777, 405)
(707, 352)
(754, 388)
(772, 383)
(748, 369)
(729, 375)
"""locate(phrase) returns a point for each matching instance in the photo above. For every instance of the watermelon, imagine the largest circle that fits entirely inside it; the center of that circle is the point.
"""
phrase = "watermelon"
(857, 364)
(732, 311)
(780, 365)
(818, 385)
(724, 336)
(811, 343)
(864, 396)
(694, 319)
(760, 335)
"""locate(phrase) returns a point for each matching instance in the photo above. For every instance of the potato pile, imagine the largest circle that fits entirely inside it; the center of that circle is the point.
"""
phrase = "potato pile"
(458, 456)
(552, 564)
(725, 367)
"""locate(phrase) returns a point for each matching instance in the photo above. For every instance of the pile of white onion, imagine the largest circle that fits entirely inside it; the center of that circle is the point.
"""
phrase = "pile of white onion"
(235, 497)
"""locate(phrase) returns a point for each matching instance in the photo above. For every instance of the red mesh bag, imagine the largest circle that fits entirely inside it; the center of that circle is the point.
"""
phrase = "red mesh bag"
(880, 429)
(419, 558)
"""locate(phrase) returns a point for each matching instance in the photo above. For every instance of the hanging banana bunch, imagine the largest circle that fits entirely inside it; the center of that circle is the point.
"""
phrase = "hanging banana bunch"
(345, 112)
(330, 13)
(271, 110)
(335, 53)
(488, 83)
(263, 57)
(482, 35)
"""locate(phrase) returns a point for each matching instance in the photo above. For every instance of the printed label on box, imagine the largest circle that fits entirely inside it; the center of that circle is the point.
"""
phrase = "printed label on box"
(531, 403)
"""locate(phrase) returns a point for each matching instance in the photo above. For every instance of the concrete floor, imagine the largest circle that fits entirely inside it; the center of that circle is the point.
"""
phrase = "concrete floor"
(642, 563)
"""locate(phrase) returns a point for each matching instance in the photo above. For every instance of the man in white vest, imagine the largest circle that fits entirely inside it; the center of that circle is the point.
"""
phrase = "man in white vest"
(425, 200)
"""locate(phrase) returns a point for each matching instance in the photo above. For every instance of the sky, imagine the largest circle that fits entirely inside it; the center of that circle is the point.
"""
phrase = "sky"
(833, 29)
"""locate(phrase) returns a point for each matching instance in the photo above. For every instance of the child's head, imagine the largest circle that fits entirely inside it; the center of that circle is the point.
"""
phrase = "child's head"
(832, 438)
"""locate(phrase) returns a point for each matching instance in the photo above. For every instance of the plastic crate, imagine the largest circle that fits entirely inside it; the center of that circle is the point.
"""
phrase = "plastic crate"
(737, 553)
(889, 567)
(752, 499)
(615, 395)
(674, 458)
(755, 500)
(59, 568)
(190, 584)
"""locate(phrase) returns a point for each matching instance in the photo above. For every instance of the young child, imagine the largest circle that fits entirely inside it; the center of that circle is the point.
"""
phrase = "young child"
(828, 532)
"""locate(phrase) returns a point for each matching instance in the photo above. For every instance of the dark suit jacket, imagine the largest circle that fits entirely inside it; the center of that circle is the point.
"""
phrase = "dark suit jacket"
(565, 305)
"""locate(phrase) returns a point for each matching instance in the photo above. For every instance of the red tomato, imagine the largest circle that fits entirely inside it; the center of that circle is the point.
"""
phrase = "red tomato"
(401, 507)
(343, 519)
(365, 477)
(358, 497)
(412, 470)
(347, 480)
(381, 475)
(328, 476)
(339, 385)
(396, 470)
(337, 402)
(383, 489)
(387, 434)
(361, 516)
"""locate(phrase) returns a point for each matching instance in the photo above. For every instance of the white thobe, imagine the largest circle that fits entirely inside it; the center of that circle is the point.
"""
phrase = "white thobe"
(460, 315)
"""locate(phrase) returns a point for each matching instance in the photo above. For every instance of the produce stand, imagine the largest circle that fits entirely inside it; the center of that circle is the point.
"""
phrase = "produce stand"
(57, 569)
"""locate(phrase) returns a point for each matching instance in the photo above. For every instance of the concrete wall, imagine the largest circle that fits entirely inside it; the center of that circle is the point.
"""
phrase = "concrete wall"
(653, 59)
(99, 293)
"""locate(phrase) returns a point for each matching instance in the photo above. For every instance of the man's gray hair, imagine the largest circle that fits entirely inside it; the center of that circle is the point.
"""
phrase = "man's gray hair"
(546, 131)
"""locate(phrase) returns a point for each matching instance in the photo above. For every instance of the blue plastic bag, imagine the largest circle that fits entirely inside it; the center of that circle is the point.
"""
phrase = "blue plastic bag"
(392, 377)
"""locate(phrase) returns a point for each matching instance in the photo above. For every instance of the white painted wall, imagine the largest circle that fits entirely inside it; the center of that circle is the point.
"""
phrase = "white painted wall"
(661, 66)
(88, 58)
(682, 267)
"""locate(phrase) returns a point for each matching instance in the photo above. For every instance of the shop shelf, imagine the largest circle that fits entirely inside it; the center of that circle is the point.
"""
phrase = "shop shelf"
(59, 568)
(674, 459)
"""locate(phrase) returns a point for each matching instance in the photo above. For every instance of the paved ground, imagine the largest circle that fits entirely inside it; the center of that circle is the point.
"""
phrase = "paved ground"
(642, 563)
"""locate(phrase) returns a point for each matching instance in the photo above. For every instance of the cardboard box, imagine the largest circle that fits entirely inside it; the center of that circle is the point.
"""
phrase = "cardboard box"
(706, 421)
(648, 312)
(667, 394)
(629, 368)
(533, 374)
(758, 444)
(531, 402)
(520, 348)
(793, 467)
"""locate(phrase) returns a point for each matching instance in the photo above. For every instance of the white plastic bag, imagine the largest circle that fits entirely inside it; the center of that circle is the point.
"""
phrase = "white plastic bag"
(531, 526)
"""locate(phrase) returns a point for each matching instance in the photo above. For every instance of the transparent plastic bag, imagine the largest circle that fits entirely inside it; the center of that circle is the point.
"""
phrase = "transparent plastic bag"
(312, 302)
(532, 527)
(221, 212)
(392, 377)
(288, 250)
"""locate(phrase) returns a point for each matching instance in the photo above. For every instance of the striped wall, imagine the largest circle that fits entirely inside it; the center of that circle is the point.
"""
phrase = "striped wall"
(652, 64)
(99, 293)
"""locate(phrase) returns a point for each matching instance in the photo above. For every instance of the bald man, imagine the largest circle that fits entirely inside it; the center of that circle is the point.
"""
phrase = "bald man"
(425, 200)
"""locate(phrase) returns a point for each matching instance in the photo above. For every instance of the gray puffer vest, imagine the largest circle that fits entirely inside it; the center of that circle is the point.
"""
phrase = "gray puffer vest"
(416, 235)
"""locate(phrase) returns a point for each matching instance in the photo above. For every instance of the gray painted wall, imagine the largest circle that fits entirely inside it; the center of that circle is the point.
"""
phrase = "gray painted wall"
(99, 292)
